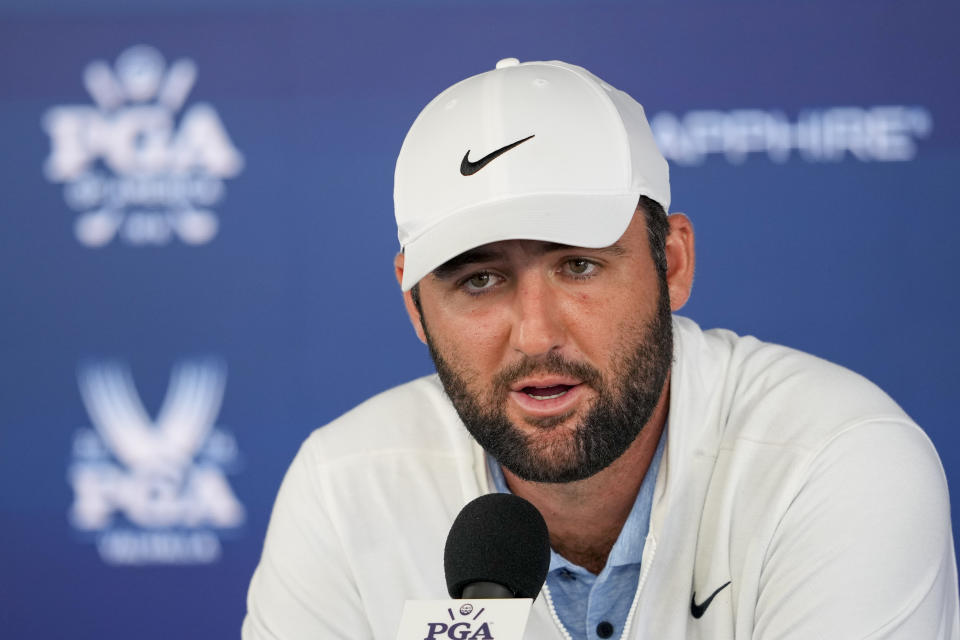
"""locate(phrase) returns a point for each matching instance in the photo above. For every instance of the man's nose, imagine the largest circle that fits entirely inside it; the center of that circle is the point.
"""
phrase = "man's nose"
(537, 321)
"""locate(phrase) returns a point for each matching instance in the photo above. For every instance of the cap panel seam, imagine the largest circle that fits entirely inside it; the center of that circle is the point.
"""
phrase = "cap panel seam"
(594, 85)
(420, 116)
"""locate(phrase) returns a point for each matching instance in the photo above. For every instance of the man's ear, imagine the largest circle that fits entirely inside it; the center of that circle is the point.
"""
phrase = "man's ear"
(412, 310)
(680, 260)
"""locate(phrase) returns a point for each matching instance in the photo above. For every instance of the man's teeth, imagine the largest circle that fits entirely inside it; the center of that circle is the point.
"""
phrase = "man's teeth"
(549, 397)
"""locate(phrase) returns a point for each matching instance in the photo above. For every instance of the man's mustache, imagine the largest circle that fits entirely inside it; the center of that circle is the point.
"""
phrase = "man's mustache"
(552, 363)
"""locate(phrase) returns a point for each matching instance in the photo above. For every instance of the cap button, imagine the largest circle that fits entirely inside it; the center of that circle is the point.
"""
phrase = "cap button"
(507, 62)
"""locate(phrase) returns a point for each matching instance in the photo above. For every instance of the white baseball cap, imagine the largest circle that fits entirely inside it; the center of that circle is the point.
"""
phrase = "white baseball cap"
(533, 151)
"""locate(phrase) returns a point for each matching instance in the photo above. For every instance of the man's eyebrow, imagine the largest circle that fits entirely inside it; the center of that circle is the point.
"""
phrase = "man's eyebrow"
(485, 254)
(550, 247)
(451, 266)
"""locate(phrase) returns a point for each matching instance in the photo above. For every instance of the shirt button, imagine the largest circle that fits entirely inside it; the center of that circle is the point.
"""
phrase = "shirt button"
(604, 629)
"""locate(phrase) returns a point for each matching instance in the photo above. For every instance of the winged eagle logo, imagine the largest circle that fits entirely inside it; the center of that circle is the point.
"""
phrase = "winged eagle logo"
(169, 444)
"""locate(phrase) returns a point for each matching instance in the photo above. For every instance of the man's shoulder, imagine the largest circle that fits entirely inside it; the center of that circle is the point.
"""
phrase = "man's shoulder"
(772, 393)
(804, 474)
(415, 416)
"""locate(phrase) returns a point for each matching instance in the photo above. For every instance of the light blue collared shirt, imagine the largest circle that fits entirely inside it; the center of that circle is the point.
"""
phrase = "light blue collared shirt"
(589, 606)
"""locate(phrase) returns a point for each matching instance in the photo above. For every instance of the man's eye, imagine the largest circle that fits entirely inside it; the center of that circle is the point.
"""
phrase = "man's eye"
(580, 266)
(480, 281)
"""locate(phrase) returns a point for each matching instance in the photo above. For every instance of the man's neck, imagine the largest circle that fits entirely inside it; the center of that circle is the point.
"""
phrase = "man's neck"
(586, 517)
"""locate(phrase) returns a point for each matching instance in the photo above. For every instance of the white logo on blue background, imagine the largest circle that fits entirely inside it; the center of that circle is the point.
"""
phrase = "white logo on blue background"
(129, 166)
(888, 133)
(154, 491)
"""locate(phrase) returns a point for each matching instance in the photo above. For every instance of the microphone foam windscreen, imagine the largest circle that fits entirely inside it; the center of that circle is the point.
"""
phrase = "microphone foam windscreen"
(498, 538)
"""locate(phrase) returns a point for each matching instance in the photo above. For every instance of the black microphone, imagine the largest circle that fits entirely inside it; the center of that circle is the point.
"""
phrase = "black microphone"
(498, 547)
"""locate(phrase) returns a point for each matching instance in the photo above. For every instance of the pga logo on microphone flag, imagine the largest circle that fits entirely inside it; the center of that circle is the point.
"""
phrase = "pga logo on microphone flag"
(488, 619)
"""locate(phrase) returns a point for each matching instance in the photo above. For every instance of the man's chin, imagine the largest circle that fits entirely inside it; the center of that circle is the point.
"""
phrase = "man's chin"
(550, 451)
(549, 471)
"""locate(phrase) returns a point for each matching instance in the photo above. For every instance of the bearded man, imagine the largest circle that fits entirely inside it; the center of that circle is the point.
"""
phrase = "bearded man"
(695, 484)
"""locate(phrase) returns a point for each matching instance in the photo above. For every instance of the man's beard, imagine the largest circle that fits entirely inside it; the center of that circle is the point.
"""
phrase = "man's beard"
(623, 405)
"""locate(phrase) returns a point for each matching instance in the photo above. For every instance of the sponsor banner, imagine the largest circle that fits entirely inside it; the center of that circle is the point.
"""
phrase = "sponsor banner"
(492, 619)
(867, 134)
(154, 491)
(140, 164)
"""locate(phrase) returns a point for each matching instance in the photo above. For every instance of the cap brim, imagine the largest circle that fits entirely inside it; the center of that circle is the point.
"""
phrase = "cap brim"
(581, 220)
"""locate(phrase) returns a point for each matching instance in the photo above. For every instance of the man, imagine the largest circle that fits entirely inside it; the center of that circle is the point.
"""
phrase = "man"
(695, 484)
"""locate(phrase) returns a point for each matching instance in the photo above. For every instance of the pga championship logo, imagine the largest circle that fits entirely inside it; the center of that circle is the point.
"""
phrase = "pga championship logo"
(133, 166)
(154, 491)
(465, 625)
(493, 619)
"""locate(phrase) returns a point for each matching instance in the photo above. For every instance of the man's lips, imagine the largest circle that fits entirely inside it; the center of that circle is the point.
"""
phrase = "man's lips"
(546, 393)
(542, 383)
(547, 396)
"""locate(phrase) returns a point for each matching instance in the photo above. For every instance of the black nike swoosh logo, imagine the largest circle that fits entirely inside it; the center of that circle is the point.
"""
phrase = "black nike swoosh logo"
(468, 168)
(697, 610)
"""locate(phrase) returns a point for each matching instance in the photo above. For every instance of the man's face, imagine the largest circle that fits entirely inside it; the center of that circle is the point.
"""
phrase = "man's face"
(554, 356)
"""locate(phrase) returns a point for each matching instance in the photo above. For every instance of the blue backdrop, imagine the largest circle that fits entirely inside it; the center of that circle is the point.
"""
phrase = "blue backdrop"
(196, 243)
